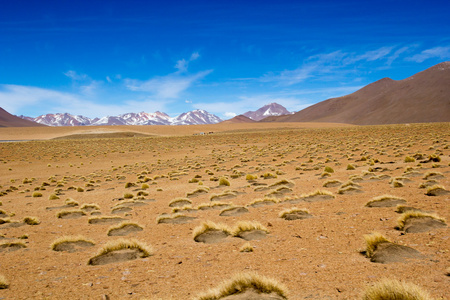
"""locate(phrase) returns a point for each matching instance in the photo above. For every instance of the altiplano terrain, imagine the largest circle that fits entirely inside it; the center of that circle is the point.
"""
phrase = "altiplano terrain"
(169, 212)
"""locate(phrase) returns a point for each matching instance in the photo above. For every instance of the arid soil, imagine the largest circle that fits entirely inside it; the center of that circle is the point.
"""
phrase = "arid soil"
(318, 257)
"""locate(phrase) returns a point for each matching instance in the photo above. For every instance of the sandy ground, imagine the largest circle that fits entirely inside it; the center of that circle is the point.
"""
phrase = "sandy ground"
(316, 258)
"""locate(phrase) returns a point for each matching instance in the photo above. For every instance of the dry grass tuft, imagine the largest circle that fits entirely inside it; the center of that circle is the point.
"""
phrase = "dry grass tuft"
(241, 282)
(372, 241)
(31, 221)
(208, 225)
(180, 201)
(251, 177)
(64, 213)
(123, 225)
(69, 239)
(242, 226)
(4, 284)
(36, 194)
(292, 210)
(401, 221)
(382, 198)
(247, 247)
(122, 244)
(224, 181)
(387, 289)
(318, 193)
(434, 190)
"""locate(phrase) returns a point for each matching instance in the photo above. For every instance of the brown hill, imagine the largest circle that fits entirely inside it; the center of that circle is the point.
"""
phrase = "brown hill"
(9, 120)
(239, 119)
(421, 98)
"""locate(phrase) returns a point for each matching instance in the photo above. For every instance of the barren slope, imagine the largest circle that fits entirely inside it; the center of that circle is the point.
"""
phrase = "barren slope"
(424, 97)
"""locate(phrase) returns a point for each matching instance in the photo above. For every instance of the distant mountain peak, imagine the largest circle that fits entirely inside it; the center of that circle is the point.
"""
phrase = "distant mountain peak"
(271, 109)
(195, 117)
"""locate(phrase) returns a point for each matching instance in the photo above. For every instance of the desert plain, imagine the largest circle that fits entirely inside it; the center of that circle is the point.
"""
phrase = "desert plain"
(79, 181)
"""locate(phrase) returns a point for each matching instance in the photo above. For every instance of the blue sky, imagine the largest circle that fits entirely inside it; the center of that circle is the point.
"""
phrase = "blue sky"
(98, 58)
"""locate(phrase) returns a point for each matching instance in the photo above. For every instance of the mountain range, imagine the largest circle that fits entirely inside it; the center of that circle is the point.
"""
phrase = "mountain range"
(423, 97)
(195, 117)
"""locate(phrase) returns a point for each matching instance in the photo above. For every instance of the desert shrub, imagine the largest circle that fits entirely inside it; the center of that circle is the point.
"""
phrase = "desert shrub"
(387, 289)
(328, 169)
(350, 167)
(283, 213)
(63, 213)
(69, 239)
(122, 244)
(247, 247)
(224, 181)
(53, 197)
(433, 190)
(268, 175)
(71, 202)
(129, 184)
(241, 282)
(242, 226)
(208, 226)
(409, 159)
(145, 186)
(4, 284)
(251, 177)
(80, 189)
(123, 225)
(128, 195)
(31, 221)
(372, 241)
(36, 195)
(401, 221)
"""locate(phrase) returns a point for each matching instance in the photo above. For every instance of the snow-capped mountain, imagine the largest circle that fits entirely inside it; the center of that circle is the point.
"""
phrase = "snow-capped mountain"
(272, 109)
(198, 116)
(61, 120)
(195, 117)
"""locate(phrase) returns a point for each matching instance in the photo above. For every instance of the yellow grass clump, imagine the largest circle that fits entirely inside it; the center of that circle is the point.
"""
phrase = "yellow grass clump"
(292, 210)
(433, 190)
(224, 181)
(383, 197)
(69, 239)
(122, 244)
(247, 247)
(251, 177)
(176, 201)
(372, 241)
(208, 225)
(401, 221)
(242, 226)
(318, 193)
(242, 282)
(124, 224)
(31, 221)
(387, 289)
(63, 213)
(36, 194)
(4, 284)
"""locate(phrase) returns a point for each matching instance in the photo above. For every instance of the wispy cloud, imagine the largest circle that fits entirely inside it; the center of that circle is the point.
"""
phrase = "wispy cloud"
(329, 66)
(166, 87)
(17, 99)
(436, 52)
(171, 85)
(75, 76)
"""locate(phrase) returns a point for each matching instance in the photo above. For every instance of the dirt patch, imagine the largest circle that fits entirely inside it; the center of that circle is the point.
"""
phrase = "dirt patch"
(315, 198)
(233, 212)
(73, 246)
(387, 202)
(388, 253)
(72, 215)
(414, 225)
(251, 235)
(125, 230)
(211, 237)
(179, 220)
(298, 215)
(116, 256)
(9, 247)
(262, 203)
(121, 210)
(106, 220)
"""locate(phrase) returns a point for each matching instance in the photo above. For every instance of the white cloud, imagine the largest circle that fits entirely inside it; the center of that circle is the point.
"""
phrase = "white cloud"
(75, 76)
(18, 99)
(230, 114)
(166, 87)
(182, 64)
(436, 52)
(108, 79)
